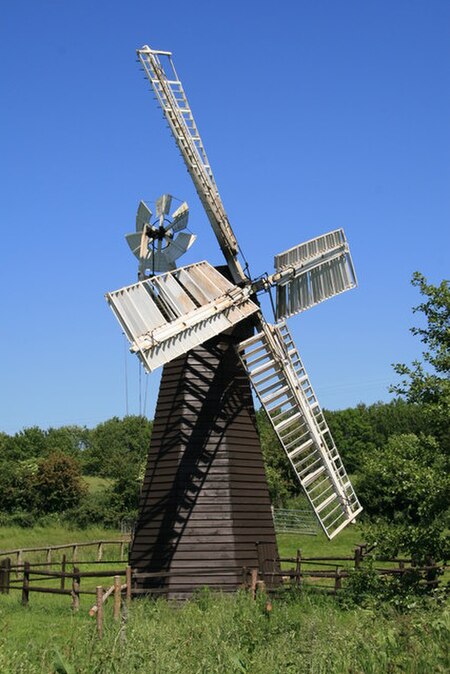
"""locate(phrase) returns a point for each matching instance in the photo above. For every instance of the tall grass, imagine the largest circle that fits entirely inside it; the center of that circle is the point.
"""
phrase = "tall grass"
(223, 634)
(214, 633)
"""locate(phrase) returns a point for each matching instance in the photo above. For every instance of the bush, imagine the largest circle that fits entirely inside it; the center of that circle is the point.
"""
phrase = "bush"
(57, 484)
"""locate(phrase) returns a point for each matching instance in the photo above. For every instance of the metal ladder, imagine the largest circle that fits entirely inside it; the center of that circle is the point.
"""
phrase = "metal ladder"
(284, 390)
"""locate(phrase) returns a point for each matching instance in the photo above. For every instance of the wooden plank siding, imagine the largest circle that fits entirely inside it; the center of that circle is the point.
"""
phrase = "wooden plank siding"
(204, 501)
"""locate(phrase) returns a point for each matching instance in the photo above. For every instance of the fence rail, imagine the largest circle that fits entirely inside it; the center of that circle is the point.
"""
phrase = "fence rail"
(19, 553)
(326, 574)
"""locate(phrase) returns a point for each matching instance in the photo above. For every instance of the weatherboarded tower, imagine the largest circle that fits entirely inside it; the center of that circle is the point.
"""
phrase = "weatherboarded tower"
(205, 504)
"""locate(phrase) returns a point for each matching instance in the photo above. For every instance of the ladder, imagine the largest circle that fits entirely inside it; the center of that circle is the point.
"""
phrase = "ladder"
(284, 390)
(172, 98)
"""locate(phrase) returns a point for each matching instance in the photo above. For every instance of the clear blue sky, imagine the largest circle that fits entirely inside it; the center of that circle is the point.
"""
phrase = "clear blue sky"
(315, 115)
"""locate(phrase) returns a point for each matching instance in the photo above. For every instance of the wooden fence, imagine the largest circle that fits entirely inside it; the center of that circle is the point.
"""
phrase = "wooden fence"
(74, 548)
(324, 574)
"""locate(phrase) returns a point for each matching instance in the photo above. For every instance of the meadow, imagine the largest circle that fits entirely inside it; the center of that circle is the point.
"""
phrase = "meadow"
(213, 633)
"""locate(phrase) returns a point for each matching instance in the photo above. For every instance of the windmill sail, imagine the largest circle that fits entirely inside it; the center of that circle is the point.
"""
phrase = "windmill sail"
(312, 272)
(283, 388)
(170, 94)
(166, 316)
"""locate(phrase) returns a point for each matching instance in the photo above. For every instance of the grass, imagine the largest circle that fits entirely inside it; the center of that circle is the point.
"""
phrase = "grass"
(288, 544)
(213, 633)
(320, 546)
(16, 537)
(96, 484)
(223, 634)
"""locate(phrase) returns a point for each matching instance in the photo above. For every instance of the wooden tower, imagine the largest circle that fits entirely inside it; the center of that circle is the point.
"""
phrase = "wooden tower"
(205, 504)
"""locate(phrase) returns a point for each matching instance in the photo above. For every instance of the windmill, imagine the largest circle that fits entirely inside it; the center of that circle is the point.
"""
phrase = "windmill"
(205, 502)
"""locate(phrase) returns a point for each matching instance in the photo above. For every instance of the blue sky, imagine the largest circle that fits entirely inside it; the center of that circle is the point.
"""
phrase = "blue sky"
(315, 115)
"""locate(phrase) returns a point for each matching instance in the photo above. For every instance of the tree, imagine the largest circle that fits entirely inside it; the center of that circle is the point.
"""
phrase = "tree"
(71, 440)
(362, 430)
(117, 442)
(406, 490)
(407, 484)
(427, 382)
(57, 484)
(26, 444)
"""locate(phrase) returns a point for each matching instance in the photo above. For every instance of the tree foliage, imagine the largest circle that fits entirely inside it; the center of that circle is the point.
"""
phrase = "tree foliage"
(57, 484)
(406, 490)
(117, 443)
(407, 484)
(427, 381)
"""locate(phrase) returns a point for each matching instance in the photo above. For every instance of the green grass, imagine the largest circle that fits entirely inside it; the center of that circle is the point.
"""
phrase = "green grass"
(223, 634)
(319, 546)
(96, 484)
(213, 633)
(16, 537)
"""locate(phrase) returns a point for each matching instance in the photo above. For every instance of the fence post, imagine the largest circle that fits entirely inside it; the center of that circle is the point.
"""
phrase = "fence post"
(99, 591)
(298, 566)
(401, 566)
(122, 550)
(26, 583)
(253, 582)
(49, 555)
(128, 581)
(117, 593)
(358, 555)
(63, 571)
(18, 562)
(76, 589)
(99, 552)
(74, 553)
(337, 580)
(2, 576)
(8, 573)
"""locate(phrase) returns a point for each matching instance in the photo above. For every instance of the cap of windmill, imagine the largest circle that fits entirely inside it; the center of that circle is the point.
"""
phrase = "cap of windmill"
(159, 244)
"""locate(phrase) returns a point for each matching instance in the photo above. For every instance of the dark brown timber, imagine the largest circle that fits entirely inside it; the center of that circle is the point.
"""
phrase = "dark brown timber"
(204, 501)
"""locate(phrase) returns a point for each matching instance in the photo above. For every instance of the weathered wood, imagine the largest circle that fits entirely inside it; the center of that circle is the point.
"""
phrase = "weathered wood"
(5, 571)
(105, 596)
(104, 573)
(43, 548)
(76, 589)
(26, 583)
(253, 582)
(204, 501)
(99, 591)
(128, 583)
(117, 597)
(298, 568)
(63, 571)
(99, 552)
(19, 562)
(7, 574)
(2, 577)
